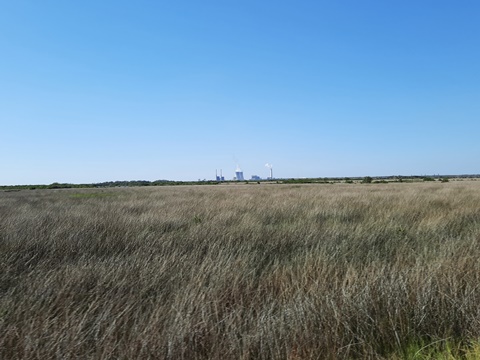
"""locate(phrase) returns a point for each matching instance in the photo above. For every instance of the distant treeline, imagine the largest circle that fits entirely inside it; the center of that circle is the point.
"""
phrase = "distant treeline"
(106, 184)
(376, 179)
(331, 180)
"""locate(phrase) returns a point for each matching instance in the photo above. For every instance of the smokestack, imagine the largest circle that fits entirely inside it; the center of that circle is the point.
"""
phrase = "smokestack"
(270, 167)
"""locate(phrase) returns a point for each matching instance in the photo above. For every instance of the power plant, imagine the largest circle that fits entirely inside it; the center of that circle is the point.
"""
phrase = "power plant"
(239, 174)
(270, 167)
(219, 178)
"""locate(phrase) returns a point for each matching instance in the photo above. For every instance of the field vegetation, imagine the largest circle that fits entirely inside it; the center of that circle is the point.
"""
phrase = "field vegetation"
(248, 271)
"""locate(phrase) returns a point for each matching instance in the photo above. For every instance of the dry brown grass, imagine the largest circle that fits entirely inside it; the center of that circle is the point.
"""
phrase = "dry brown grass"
(238, 272)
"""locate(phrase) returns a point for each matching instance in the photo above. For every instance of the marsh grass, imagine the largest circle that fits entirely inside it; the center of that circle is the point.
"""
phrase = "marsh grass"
(367, 271)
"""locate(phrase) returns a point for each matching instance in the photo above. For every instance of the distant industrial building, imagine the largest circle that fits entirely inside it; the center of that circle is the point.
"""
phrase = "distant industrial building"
(219, 178)
(240, 177)
(270, 167)
(238, 174)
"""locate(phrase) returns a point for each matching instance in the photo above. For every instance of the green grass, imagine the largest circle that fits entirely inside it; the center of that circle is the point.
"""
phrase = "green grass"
(442, 349)
(271, 271)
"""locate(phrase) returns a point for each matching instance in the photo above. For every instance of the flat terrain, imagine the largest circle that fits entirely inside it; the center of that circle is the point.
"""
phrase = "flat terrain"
(254, 271)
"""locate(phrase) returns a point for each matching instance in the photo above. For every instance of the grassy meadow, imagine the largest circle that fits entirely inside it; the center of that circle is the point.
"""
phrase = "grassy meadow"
(248, 271)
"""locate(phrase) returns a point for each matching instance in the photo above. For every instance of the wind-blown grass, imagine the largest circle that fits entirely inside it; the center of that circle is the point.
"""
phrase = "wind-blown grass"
(249, 271)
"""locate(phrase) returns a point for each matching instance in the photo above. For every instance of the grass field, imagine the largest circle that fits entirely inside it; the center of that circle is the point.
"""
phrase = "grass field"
(251, 271)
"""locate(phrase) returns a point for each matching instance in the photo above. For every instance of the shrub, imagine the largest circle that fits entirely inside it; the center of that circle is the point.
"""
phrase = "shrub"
(367, 180)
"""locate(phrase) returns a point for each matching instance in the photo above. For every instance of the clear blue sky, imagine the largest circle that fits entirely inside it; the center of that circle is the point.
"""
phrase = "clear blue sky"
(120, 90)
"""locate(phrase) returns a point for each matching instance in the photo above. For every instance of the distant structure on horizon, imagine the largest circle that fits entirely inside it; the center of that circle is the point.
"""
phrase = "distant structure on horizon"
(219, 178)
(238, 174)
(270, 167)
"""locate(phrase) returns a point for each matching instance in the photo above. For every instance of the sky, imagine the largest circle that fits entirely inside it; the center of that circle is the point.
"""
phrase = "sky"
(94, 91)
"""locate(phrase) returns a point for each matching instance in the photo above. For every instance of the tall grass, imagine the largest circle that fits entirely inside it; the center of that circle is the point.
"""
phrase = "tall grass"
(241, 272)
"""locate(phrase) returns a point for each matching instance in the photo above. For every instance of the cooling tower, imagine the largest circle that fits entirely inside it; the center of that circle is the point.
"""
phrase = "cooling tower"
(239, 174)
